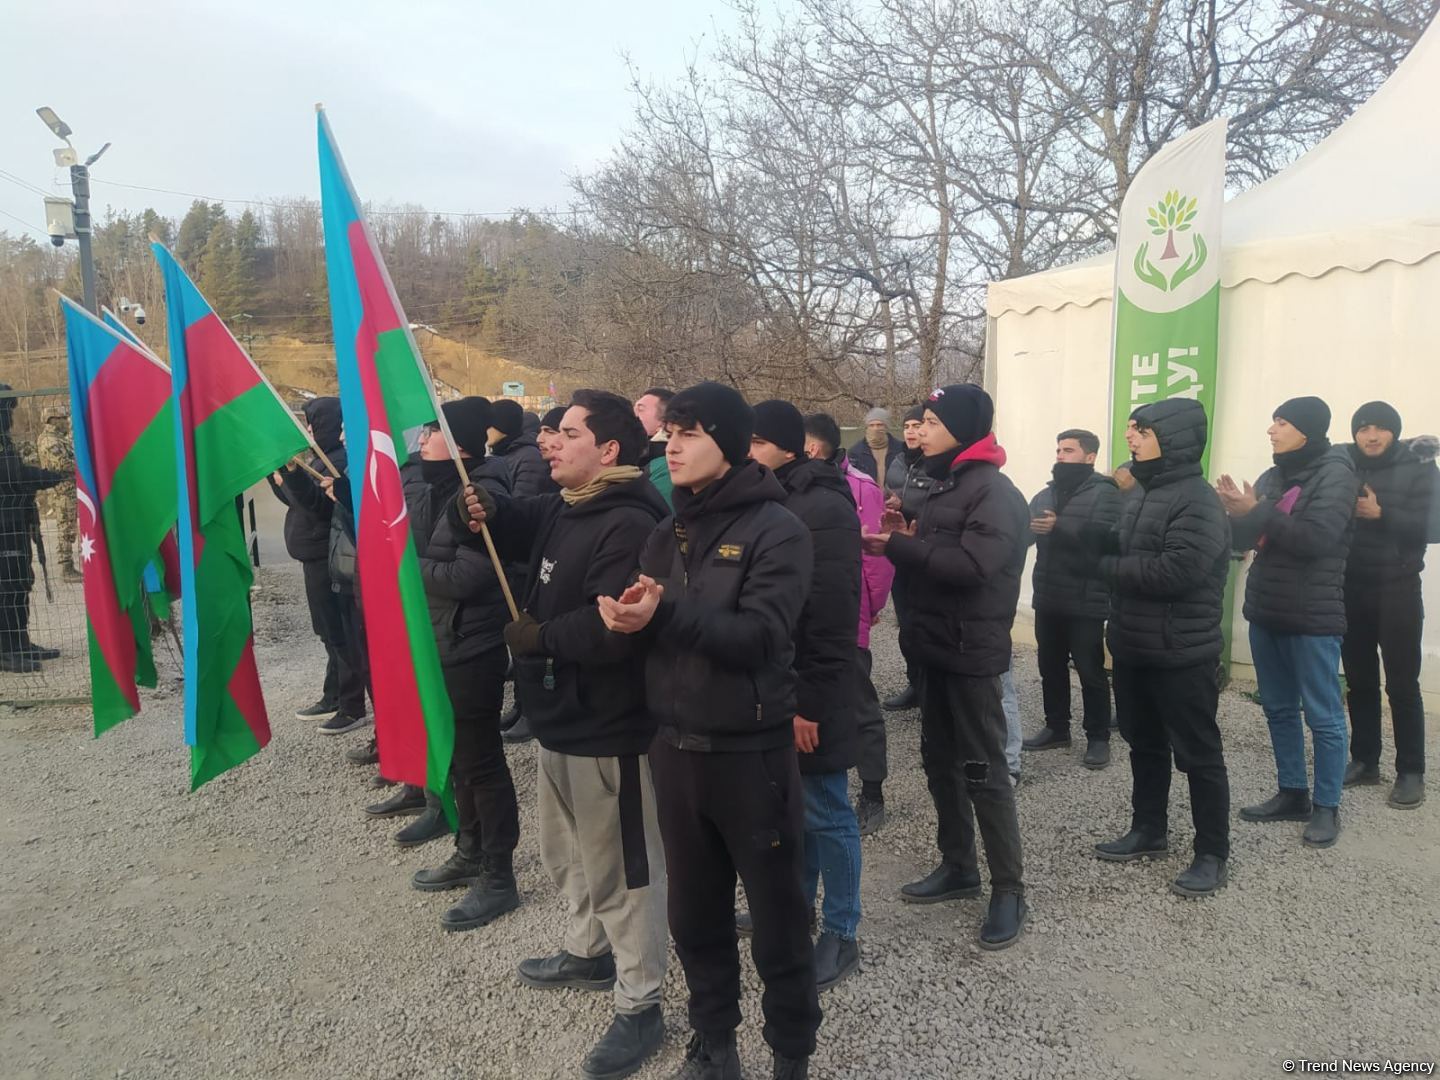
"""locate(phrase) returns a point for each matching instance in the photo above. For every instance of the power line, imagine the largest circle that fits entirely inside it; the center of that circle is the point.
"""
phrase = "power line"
(21, 182)
(21, 221)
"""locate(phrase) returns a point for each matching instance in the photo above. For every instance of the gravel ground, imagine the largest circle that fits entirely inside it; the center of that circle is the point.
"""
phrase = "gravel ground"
(263, 927)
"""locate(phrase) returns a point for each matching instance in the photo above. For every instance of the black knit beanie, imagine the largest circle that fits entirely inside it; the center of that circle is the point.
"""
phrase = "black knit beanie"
(721, 413)
(966, 411)
(780, 422)
(1380, 413)
(1309, 415)
(509, 417)
(916, 413)
(552, 418)
(470, 419)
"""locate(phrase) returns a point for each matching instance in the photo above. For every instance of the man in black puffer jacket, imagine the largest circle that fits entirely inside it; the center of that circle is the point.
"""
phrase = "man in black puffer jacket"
(964, 556)
(307, 541)
(906, 485)
(826, 671)
(584, 689)
(1299, 518)
(722, 587)
(1070, 608)
(1165, 565)
(1383, 610)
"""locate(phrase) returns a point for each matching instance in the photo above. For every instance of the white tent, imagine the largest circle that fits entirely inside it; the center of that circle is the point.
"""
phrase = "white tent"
(1330, 280)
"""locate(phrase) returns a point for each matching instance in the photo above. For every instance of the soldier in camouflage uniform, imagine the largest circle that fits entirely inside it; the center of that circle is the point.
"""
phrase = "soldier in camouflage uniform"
(56, 448)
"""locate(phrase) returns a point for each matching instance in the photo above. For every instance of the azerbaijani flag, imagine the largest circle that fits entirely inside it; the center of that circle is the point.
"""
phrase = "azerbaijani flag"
(384, 391)
(125, 503)
(230, 430)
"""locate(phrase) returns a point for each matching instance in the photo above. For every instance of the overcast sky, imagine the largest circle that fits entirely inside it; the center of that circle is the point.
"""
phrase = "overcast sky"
(478, 106)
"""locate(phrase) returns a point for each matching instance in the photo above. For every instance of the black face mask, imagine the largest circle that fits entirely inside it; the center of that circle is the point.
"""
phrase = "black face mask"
(1145, 471)
(438, 473)
(1293, 461)
(1069, 475)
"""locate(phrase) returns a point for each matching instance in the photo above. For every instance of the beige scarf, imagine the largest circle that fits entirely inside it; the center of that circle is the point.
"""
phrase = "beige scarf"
(615, 474)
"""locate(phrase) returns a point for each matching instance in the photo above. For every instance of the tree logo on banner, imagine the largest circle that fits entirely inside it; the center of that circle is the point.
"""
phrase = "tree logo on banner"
(1175, 213)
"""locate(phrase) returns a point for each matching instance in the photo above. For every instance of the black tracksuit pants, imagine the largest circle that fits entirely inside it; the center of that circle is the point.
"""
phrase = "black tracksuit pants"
(484, 790)
(871, 757)
(1058, 640)
(356, 649)
(900, 597)
(1386, 618)
(344, 684)
(723, 814)
(17, 577)
(1165, 711)
(962, 747)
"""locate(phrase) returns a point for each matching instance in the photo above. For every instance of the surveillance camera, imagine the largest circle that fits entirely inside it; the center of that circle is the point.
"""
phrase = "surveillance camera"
(57, 239)
(139, 314)
(124, 305)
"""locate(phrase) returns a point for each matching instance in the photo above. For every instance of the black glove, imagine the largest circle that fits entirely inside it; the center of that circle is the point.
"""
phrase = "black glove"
(487, 502)
(525, 636)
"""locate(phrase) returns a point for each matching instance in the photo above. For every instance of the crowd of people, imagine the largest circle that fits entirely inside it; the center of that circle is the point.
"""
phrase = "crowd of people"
(697, 581)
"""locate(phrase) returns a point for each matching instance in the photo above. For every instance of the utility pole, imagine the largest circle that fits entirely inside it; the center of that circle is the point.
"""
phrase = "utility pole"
(80, 188)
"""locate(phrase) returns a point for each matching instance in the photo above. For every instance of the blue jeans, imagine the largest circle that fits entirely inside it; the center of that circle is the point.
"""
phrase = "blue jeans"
(832, 849)
(1010, 702)
(1300, 672)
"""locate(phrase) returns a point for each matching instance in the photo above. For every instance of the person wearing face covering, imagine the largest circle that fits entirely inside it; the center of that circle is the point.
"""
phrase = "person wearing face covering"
(1070, 608)
(1299, 520)
(963, 557)
(906, 485)
(873, 453)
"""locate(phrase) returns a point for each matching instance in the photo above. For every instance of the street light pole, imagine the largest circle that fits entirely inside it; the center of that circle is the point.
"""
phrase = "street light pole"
(80, 187)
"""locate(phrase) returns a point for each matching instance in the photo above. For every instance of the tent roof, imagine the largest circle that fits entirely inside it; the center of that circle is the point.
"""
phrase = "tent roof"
(1364, 195)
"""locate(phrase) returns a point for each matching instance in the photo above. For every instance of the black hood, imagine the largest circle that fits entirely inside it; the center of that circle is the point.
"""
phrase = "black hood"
(1181, 427)
(804, 473)
(323, 416)
(746, 483)
(638, 493)
(511, 443)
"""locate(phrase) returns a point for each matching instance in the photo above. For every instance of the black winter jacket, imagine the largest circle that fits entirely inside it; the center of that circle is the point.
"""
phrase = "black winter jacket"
(963, 565)
(467, 607)
(586, 696)
(863, 458)
(1058, 586)
(736, 566)
(1170, 553)
(1296, 584)
(529, 475)
(906, 477)
(1391, 549)
(825, 652)
(308, 509)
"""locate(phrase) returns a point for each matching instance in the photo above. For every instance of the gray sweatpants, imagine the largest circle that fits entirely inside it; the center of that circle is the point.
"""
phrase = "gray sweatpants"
(600, 842)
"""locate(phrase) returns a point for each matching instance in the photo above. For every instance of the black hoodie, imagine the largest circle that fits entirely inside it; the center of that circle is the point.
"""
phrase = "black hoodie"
(586, 696)
(736, 566)
(1168, 578)
(825, 651)
(308, 509)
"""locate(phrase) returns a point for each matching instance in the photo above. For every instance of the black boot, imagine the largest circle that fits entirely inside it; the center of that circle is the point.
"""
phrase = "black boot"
(40, 652)
(835, 958)
(19, 663)
(869, 814)
(945, 882)
(1408, 792)
(790, 1068)
(566, 969)
(518, 732)
(1288, 804)
(632, 1039)
(430, 825)
(408, 800)
(1097, 754)
(1047, 738)
(1204, 877)
(489, 898)
(710, 1057)
(1004, 921)
(1359, 774)
(369, 754)
(1324, 827)
(1135, 844)
(909, 698)
(460, 869)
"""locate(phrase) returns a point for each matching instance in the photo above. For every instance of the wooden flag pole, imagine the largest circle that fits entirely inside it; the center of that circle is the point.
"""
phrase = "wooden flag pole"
(324, 458)
(317, 477)
(484, 529)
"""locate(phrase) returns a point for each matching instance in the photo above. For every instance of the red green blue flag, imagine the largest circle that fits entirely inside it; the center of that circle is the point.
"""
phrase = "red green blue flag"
(230, 431)
(384, 391)
(125, 479)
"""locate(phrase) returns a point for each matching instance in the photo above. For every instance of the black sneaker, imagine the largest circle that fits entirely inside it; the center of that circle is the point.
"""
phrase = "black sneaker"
(710, 1057)
(408, 800)
(321, 710)
(945, 882)
(1204, 877)
(567, 970)
(869, 814)
(631, 1040)
(1004, 922)
(369, 754)
(1287, 804)
(1047, 738)
(340, 723)
(518, 732)
(1135, 844)
(835, 958)
(1097, 754)
(1359, 774)
(430, 825)
(909, 698)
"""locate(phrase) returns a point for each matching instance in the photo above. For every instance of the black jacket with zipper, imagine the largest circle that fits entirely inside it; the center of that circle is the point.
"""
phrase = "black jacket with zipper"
(586, 695)
(963, 565)
(825, 651)
(863, 457)
(308, 509)
(529, 475)
(906, 477)
(1296, 584)
(1392, 548)
(1057, 588)
(736, 566)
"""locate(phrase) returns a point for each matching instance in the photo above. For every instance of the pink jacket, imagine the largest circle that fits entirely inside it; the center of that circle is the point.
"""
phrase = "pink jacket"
(876, 571)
